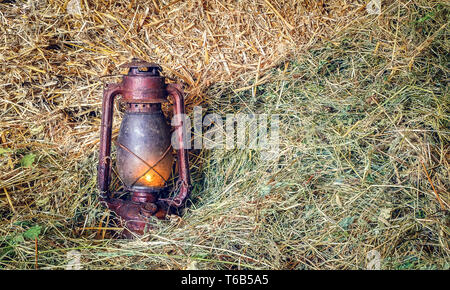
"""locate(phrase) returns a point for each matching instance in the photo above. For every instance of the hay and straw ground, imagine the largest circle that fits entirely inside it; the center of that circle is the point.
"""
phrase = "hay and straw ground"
(364, 110)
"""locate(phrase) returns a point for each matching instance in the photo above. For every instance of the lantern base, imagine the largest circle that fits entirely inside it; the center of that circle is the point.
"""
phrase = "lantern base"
(136, 214)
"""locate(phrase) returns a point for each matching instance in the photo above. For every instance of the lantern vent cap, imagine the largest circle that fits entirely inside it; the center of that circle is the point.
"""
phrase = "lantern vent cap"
(141, 67)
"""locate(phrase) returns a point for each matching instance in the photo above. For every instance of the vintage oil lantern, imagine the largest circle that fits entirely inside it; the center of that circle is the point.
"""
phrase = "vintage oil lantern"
(144, 148)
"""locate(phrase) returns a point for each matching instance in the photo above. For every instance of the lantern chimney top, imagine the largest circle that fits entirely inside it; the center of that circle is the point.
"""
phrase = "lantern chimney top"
(140, 67)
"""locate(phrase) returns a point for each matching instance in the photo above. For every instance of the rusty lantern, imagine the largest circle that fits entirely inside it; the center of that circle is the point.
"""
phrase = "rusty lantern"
(144, 151)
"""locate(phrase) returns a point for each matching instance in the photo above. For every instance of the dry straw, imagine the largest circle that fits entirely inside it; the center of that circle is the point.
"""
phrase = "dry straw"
(55, 54)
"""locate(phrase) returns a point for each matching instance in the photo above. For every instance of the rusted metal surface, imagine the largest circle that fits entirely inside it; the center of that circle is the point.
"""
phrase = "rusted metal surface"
(144, 152)
(175, 91)
(104, 165)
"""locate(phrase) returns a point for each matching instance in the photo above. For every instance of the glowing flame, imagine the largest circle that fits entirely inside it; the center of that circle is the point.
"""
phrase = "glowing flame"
(151, 179)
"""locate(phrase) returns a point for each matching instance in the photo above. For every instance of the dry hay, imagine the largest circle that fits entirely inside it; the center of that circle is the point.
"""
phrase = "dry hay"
(55, 59)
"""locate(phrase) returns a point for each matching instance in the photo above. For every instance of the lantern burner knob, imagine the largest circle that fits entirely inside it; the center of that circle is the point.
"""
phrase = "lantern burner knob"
(140, 67)
(148, 209)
